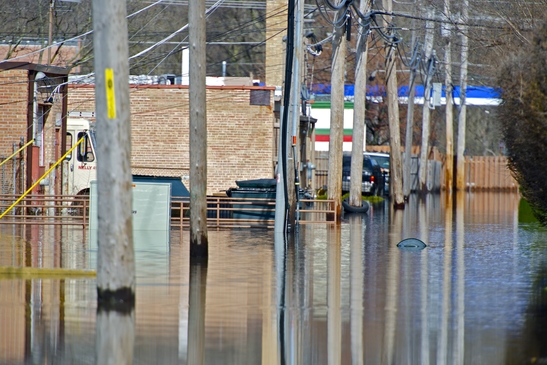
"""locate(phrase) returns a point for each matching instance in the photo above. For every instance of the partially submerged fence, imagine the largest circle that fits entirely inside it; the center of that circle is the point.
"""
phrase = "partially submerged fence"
(481, 172)
(488, 173)
(222, 212)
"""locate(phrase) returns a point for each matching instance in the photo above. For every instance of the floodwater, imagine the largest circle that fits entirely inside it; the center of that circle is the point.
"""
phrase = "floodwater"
(477, 294)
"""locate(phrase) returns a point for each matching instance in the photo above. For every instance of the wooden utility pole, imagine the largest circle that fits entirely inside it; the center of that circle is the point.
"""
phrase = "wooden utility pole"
(449, 112)
(424, 150)
(414, 63)
(281, 198)
(357, 145)
(199, 246)
(50, 30)
(334, 181)
(293, 175)
(460, 174)
(396, 167)
(409, 124)
(115, 262)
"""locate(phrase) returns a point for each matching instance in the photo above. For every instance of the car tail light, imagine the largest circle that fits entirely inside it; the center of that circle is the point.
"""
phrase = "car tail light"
(372, 179)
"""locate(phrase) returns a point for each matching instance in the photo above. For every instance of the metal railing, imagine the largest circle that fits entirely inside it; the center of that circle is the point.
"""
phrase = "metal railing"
(222, 212)
(46, 209)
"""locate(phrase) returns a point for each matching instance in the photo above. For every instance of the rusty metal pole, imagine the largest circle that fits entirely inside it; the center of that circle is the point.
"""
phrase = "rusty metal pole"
(115, 262)
(198, 131)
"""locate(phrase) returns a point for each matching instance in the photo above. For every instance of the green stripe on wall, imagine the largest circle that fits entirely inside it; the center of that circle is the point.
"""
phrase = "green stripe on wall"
(326, 105)
(326, 131)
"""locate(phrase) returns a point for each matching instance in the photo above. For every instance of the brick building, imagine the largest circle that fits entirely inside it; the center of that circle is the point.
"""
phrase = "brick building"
(31, 103)
(242, 126)
(240, 132)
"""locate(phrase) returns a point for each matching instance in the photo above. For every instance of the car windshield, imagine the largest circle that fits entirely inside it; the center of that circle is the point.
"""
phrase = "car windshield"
(383, 161)
(367, 163)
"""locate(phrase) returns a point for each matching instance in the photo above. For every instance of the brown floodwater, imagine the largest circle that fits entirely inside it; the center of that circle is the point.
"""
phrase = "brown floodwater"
(477, 294)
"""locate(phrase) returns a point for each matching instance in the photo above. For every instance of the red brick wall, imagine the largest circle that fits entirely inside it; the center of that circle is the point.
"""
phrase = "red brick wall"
(13, 109)
(240, 135)
(13, 120)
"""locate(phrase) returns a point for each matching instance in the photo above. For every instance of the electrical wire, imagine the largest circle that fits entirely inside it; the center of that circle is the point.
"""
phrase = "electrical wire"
(207, 12)
(340, 22)
(55, 44)
(237, 30)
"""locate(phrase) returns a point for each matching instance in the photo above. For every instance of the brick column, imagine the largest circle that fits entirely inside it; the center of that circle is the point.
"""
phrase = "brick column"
(276, 24)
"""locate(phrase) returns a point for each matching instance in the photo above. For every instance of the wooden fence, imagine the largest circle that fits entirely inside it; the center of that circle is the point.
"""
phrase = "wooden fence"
(488, 173)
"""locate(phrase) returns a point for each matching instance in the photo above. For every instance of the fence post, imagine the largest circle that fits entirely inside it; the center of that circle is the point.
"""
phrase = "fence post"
(498, 172)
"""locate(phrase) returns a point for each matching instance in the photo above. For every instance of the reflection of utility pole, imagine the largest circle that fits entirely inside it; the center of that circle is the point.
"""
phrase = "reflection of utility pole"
(446, 311)
(334, 291)
(50, 34)
(459, 277)
(392, 289)
(115, 337)
(424, 287)
(357, 278)
(196, 312)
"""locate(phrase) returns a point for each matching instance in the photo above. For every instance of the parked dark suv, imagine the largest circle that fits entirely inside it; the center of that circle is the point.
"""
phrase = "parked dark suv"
(383, 161)
(373, 179)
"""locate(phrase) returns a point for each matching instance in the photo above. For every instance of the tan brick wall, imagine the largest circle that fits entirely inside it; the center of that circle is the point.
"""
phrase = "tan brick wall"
(240, 135)
(276, 25)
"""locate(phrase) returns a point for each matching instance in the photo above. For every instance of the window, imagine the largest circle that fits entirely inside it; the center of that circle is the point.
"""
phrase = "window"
(85, 151)
(68, 141)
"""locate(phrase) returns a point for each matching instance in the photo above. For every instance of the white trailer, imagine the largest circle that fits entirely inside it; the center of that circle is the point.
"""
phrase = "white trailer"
(81, 164)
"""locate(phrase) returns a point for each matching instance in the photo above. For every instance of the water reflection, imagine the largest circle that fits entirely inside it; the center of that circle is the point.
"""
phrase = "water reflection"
(115, 337)
(331, 295)
(357, 267)
(196, 312)
(334, 294)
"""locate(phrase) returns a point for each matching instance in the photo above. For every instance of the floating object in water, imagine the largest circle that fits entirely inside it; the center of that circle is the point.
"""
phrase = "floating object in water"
(412, 244)
(351, 209)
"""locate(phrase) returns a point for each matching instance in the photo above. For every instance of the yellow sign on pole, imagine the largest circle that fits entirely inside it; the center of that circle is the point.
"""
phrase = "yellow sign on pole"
(110, 94)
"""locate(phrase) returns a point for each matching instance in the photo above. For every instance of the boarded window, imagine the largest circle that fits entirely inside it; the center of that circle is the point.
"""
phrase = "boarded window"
(260, 97)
